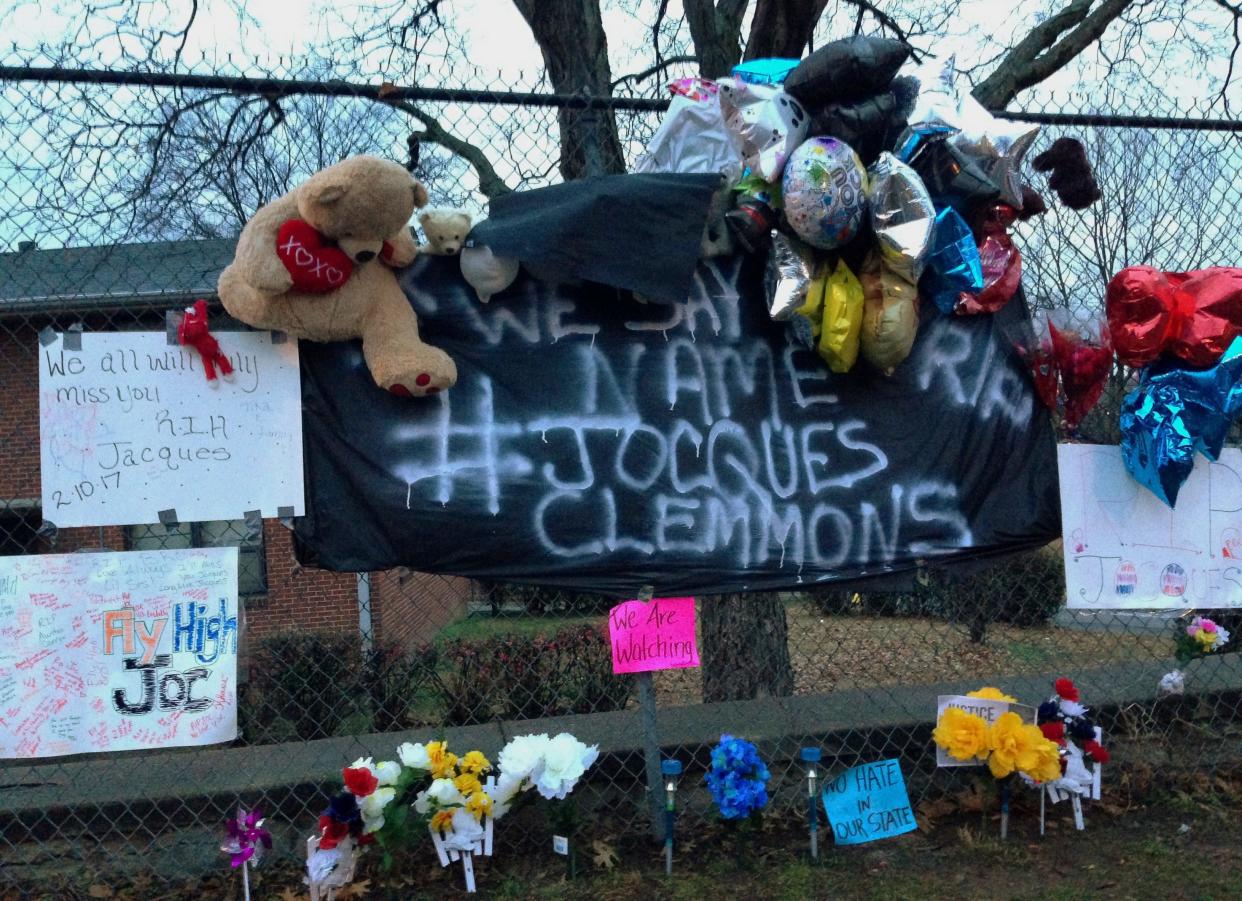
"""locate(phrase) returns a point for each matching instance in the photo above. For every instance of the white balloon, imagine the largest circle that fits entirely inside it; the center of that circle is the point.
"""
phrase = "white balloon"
(487, 273)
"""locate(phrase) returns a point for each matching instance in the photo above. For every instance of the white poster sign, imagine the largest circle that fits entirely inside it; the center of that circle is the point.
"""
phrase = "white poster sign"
(117, 651)
(129, 427)
(1125, 549)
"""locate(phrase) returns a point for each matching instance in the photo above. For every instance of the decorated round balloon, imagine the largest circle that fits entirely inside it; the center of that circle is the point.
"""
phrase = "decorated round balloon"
(825, 193)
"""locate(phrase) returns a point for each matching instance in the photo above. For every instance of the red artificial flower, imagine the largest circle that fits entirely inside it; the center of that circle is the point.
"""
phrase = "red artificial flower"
(1066, 690)
(331, 832)
(359, 781)
(1095, 751)
(1054, 731)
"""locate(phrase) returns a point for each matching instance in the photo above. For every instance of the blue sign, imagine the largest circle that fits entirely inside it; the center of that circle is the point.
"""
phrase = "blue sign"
(868, 802)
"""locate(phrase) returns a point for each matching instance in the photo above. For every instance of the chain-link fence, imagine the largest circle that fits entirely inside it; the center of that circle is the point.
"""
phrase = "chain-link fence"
(120, 193)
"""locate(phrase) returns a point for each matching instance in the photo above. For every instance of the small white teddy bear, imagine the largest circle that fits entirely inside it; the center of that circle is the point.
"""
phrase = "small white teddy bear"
(445, 231)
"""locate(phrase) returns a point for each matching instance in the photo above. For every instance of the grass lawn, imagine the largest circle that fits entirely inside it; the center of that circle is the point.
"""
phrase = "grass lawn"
(858, 651)
(486, 626)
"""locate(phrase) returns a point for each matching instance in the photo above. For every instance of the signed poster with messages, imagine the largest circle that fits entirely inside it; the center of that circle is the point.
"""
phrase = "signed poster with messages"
(117, 651)
(598, 443)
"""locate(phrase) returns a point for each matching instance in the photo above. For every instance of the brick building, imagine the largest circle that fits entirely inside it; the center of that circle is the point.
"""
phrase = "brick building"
(128, 287)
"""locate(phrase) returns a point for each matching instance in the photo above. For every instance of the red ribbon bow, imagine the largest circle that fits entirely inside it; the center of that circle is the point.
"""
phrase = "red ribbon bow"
(1192, 315)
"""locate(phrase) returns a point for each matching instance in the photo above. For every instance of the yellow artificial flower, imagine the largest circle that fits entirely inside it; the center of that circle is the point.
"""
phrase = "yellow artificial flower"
(1205, 638)
(1048, 759)
(442, 821)
(1012, 745)
(988, 693)
(963, 735)
(475, 762)
(443, 762)
(468, 783)
(479, 804)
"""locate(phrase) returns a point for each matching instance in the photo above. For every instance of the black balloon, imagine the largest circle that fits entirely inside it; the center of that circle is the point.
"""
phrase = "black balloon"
(852, 68)
(870, 126)
(951, 177)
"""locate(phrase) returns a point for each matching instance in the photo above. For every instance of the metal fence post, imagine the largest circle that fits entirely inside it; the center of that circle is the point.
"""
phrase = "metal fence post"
(651, 741)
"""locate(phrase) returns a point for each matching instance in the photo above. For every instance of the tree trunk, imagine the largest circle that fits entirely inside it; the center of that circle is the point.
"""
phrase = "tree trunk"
(715, 29)
(745, 651)
(781, 28)
(571, 37)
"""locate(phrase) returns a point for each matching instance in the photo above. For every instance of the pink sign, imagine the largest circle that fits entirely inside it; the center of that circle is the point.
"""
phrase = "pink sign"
(658, 634)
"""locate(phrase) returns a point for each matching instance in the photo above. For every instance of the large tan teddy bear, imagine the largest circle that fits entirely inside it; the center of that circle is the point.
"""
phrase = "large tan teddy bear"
(315, 263)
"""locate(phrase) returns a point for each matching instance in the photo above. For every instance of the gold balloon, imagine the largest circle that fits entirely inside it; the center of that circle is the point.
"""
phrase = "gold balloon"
(890, 318)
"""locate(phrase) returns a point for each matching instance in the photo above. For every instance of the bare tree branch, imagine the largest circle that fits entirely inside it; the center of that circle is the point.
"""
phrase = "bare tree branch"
(490, 183)
(1047, 48)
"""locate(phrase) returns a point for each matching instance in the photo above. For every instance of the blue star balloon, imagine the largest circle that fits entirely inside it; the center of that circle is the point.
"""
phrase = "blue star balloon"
(953, 263)
(1175, 412)
(1156, 446)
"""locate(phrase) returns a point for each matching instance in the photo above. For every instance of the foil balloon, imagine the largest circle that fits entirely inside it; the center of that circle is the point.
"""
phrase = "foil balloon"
(871, 125)
(1194, 316)
(1084, 357)
(1211, 398)
(694, 88)
(691, 138)
(936, 106)
(787, 280)
(765, 71)
(764, 123)
(824, 191)
(998, 146)
(487, 273)
(1036, 352)
(951, 177)
(850, 68)
(1001, 261)
(890, 318)
(842, 319)
(902, 215)
(953, 263)
(1156, 446)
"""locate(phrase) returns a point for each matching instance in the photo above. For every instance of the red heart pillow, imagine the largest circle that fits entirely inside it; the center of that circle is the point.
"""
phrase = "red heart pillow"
(316, 268)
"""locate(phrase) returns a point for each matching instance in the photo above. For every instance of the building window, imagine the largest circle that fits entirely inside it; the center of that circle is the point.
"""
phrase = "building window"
(251, 562)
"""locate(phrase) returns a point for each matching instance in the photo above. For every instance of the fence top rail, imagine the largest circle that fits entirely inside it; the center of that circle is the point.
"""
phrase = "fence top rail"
(275, 88)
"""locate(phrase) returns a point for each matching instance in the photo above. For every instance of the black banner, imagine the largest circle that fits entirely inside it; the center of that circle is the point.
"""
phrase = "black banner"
(596, 443)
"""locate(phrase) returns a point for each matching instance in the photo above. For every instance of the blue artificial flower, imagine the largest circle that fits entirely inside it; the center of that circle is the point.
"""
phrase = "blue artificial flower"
(737, 779)
(344, 809)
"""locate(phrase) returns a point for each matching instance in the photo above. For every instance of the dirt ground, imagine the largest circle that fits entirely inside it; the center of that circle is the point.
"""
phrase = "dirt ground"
(1180, 841)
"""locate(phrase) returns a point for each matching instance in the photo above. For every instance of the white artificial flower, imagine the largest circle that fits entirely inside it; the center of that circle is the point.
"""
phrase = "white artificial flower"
(464, 833)
(1072, 708)
(372, 806)
(442, 792)
(1222, 638)
(388, 772)
(414, 756)
(364, 763)
(373, 825)
(565, 759)
(1173, 683)
(522, 756)
(507, 789)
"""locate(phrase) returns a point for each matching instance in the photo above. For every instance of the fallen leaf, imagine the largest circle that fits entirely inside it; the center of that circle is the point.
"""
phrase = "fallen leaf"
(603, 854)
(99, 891)
(353, 890)
(289, 894)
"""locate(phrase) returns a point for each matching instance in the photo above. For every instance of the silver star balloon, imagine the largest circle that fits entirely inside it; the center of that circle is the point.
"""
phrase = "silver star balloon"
(997, 145)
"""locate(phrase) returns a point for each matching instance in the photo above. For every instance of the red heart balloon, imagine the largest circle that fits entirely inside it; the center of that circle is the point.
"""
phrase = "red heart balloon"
(316, 268)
